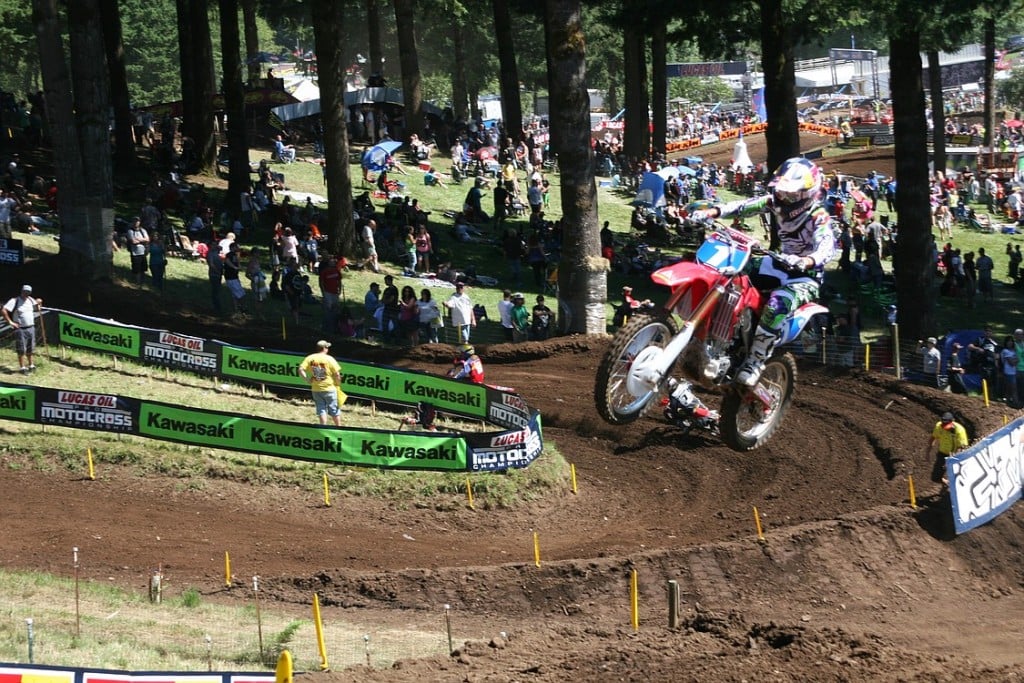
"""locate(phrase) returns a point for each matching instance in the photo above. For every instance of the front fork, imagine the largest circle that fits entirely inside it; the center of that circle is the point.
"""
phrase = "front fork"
(658, 370)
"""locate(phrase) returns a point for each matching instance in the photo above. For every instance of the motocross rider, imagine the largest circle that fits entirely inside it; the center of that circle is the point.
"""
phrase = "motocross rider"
(468, 365)
(807, 244)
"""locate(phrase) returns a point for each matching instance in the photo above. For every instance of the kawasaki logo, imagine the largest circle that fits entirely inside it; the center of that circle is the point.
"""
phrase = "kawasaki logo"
(69, 329)
(305, 443)
(383, 450)
(262, 367)
(216, 431)
(13, 403)
(464, 398)
(375, 382)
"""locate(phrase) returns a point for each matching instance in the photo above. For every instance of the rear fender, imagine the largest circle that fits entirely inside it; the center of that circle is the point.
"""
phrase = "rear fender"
(798, 319)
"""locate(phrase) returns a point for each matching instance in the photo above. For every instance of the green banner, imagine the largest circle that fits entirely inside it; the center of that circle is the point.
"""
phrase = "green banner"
(261, 367)
(18, 403)
(100, 336)
(359, 379)
(401, 450)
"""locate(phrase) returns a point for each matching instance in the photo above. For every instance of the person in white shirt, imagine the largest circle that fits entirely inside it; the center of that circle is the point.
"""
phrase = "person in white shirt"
(20, 313)
(505, 314)
(7, 204)
(460, 307)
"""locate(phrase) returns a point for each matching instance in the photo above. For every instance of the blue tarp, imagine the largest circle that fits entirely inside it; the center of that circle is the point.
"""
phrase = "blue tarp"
(652, 191)
(375, 158)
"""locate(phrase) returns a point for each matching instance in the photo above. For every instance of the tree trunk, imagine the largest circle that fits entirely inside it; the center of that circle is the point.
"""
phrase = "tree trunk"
(252, 41)
(938, 112)
(373, 35)
(328, 23)
(583, 273)
(205, 86)
(659, 88)
(186, 60)
(234, 107)
(473, 93)
(460, 91)
(124, 148)
(409, 59)
(912, 261)
(782, 134)
(636, 139)
(78, 127)
(511, 106)
(990, 81)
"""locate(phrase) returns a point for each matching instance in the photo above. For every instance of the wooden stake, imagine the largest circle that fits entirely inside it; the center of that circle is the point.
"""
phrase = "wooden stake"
(673, 604)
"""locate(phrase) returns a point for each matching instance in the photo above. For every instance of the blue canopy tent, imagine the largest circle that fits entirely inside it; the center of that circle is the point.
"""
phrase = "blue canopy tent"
(651, 192)
(675, 172)
(375, 158)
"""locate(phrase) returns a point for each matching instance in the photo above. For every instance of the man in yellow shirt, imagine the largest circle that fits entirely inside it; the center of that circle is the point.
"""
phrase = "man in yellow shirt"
(950, 436)
(324, 376)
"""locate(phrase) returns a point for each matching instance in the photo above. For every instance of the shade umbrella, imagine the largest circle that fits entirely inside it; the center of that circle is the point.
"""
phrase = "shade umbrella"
(375, 158)
(1013, 123)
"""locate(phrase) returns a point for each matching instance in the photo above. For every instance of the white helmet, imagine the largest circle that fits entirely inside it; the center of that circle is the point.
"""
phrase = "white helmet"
(796, 189)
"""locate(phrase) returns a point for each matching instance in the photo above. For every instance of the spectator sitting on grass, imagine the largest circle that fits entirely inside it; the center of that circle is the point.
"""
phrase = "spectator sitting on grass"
(433, 177)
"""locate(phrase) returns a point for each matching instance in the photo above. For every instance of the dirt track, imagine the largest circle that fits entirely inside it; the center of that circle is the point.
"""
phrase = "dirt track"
(850, 584)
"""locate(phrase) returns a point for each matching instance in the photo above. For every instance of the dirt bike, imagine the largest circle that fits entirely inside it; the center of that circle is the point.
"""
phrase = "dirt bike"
(719, 309)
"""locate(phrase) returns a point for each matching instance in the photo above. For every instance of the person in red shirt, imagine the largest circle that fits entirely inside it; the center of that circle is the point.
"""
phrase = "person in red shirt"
(330, 292)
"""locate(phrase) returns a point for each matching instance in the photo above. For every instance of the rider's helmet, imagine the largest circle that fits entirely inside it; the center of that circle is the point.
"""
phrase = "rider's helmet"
(796, 190)
(468, 351)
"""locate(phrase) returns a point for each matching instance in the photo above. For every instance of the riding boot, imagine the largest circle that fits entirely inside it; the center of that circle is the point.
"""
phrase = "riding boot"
(683, 399)
(760, 351)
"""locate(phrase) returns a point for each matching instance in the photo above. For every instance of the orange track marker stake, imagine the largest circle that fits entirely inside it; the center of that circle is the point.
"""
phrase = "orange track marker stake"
(469, 493)
(757, 523)
(536, 549)
(572, 472)
(913, 497)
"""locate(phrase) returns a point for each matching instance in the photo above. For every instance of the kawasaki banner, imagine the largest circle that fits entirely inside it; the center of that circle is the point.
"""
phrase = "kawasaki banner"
(367, 448)
(356, 447)
(495, 450)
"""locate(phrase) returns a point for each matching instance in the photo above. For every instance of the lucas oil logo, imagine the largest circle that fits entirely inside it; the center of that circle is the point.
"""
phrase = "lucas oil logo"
(87, 411)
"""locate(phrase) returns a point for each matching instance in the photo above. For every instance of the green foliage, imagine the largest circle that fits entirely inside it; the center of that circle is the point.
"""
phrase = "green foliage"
(190, 598)
(1011, 90)
(19, 72)
(700, 89)
(437, 88)
(150, 36)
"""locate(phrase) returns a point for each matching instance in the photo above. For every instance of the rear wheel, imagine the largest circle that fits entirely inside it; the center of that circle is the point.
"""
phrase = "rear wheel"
(747, 421)
(626, 385)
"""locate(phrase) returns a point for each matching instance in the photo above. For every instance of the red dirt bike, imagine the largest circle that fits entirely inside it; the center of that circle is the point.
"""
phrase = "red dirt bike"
(718, 307)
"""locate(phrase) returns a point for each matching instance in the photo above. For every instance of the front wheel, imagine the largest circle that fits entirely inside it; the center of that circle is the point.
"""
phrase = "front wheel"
(748, 421)
(626, 381)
